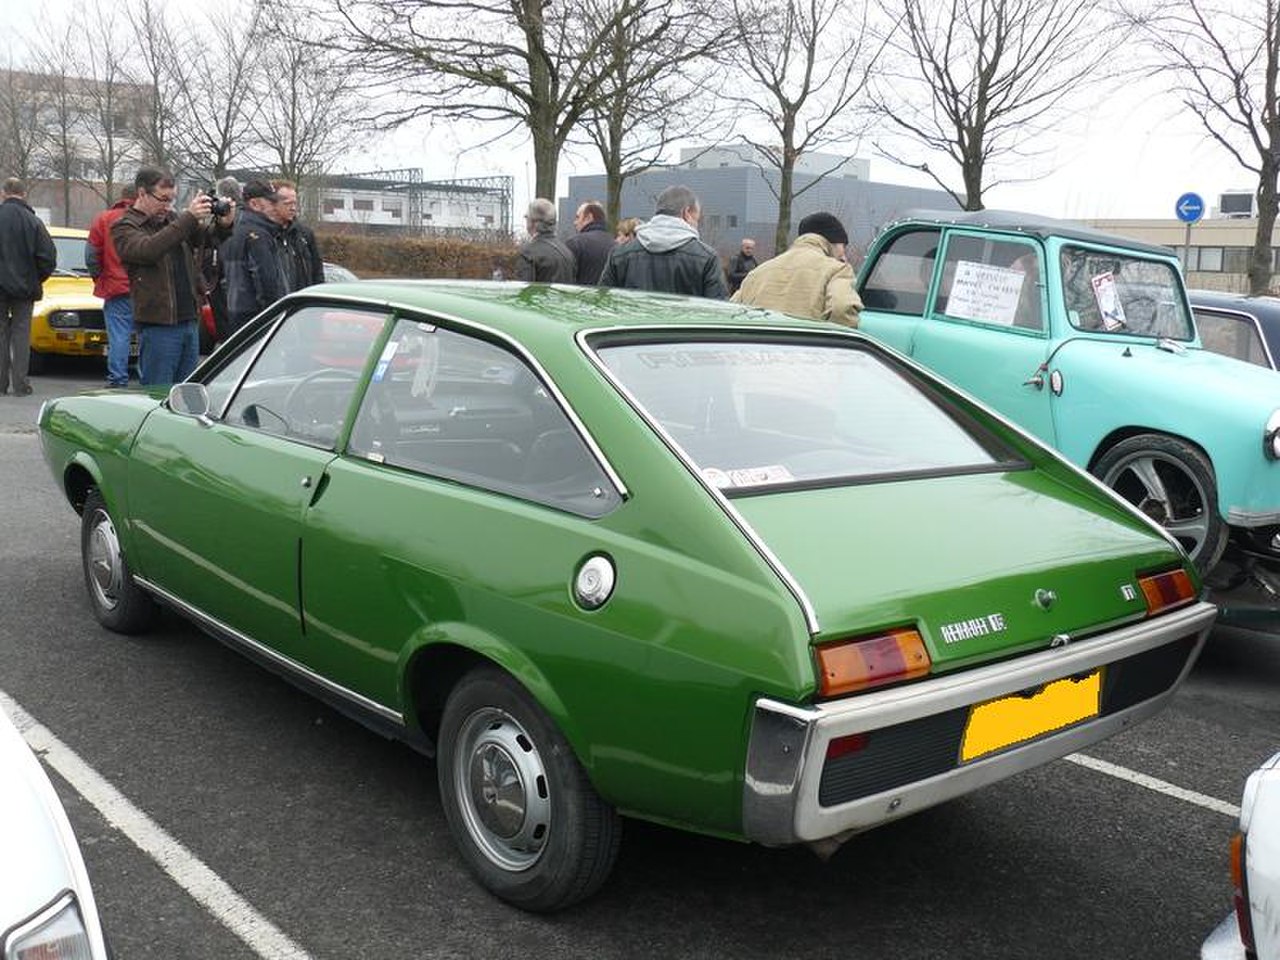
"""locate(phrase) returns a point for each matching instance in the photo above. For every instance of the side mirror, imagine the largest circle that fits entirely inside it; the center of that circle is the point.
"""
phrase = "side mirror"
(190, 400)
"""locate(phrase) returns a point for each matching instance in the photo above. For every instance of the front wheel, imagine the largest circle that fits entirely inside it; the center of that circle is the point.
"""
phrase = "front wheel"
(529, 824)
(1172, 483)
(118, 603)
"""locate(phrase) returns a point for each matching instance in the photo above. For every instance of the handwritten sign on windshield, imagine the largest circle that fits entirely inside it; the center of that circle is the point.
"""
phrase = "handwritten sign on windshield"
(984, 292)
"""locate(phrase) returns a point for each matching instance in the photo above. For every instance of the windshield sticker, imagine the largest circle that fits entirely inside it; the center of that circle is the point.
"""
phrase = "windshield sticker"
(384, 361)
(984, 292)
(1108, 297)
(757, 476)
(682, 358)
(716, 477)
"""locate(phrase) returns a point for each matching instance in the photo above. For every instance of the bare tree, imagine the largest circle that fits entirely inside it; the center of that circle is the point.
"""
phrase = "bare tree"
(309, 108)
(158, 69)
(655, 92)
(62, 116)
(22, 105)
(1225, 62)
(804, 66)
(980, 81)
(524, 65)
(218, 111)
(109, 100)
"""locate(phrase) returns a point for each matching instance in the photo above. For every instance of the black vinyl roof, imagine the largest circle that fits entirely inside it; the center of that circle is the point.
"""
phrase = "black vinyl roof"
(1029, 224)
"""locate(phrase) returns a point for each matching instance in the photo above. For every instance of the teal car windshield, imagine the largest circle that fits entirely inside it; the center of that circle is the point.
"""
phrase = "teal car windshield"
(1113, 293)
(766, 415)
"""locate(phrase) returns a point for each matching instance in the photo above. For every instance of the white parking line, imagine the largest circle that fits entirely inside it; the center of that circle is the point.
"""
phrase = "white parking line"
(1159, 786)
(205, 887)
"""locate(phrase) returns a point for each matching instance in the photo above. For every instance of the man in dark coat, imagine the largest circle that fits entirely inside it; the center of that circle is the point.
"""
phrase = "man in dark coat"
(592, 244)
(666, 254)
(302, 253)
(742, 263)
(27, 258)
(255, 272)
(544, 258)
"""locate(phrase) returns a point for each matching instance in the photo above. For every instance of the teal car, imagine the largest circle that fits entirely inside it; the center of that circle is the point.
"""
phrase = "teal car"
(1087, 341)
(604, 553)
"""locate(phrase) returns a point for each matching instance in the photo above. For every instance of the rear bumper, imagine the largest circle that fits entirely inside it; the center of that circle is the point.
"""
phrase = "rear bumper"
(792, 793)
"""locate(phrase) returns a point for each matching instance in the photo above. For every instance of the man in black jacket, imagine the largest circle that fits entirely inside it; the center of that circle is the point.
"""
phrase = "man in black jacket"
(254, 270)
(666, 253)
(544, 258)
(592, 244)
(742, 263)
(27, 257)
(302, 253)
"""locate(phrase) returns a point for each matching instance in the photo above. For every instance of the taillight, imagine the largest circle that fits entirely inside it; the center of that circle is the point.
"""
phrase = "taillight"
(860, 663)
(1164, 590)
(1241, 894)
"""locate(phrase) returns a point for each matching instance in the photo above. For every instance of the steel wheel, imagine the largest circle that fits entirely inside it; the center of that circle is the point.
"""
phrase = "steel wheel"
(499, 777)
(117, 601)
(1172, 483)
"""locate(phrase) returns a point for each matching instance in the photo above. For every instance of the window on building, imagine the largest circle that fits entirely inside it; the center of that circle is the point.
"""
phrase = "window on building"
(359, 204)
(394, 208)
(333, 204)
(1235, 260)
(1209, 259)
(733, 219)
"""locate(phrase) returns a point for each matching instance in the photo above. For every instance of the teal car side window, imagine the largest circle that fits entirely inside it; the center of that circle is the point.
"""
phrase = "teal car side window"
(991, 281)
(461, 408)
(899, 279)
(1113, 292)
(301, 383)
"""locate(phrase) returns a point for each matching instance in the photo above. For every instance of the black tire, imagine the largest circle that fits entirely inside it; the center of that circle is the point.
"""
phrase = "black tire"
(1173, 483)
(530, 826)
(36, 363)
(119, 604)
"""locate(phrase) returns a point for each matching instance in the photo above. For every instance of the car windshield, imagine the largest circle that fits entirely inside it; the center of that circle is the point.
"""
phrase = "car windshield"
(1114, 293)
(70, 257)
(762, 415)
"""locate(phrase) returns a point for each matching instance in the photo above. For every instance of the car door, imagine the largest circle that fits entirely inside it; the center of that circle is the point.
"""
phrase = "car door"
(218, 502)
(985, 328)
(466, 496)
(895, 287)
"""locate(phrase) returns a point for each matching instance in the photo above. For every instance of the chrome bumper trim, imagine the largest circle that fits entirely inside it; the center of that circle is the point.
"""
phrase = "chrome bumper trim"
(788, 744)
(235, 638)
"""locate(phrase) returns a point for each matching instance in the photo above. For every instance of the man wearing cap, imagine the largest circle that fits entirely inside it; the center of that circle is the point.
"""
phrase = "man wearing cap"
(254, 270)
(812, 279)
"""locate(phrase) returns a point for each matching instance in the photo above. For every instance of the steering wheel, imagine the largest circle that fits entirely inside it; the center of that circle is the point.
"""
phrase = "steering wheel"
(297, 412)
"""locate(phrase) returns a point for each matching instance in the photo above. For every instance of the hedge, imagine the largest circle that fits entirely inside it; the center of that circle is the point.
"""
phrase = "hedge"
(417, 257)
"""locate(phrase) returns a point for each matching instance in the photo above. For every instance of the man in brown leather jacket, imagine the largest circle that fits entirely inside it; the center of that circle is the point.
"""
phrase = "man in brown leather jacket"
(158, 249)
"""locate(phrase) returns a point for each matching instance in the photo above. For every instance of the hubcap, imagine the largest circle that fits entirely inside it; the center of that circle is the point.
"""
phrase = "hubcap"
(502, 789)
(105, 565)
(1162, 488)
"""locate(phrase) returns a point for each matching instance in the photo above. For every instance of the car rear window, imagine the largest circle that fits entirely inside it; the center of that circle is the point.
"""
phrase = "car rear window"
(761, 415)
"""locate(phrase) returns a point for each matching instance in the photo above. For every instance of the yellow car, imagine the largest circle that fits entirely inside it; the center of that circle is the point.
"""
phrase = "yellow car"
(68, 321)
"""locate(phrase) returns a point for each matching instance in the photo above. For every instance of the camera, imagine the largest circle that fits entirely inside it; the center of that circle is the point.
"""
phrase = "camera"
(218, 206)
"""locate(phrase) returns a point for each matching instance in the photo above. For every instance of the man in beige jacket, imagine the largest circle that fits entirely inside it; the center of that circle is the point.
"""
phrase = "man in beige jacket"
(811, 279)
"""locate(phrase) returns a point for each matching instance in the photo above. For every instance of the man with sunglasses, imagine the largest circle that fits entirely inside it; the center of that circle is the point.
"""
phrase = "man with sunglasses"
(158, 249)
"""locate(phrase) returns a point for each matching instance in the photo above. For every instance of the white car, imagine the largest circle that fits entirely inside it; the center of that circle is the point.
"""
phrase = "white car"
(46, 905)
(1253, 931)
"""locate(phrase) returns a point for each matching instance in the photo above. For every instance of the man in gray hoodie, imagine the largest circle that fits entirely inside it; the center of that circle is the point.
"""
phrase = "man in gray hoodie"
(666, 254)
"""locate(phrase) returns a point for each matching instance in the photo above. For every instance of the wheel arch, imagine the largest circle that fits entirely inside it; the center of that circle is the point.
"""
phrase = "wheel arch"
(1121, 434)
(80, 476)
(432, 669)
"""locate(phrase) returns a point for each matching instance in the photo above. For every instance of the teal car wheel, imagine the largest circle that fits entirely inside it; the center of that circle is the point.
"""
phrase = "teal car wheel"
(1173, 483)
(118, 603)
(528, 822)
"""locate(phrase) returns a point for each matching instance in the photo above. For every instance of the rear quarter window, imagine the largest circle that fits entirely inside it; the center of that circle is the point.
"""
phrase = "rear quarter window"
(898, 281)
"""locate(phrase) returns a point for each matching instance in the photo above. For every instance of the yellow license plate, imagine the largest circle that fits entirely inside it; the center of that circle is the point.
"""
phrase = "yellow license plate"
(1001, 723)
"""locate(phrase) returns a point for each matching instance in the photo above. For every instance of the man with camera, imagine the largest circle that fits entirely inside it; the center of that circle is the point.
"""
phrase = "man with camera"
(158, 250)
(255, 273)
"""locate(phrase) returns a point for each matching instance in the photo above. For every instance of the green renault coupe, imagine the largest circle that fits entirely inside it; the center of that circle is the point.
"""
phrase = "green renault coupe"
(606, 554)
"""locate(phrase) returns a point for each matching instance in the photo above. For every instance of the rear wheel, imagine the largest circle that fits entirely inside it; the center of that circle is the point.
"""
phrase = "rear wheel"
(1172, 483)
(118, 603)
(36, 363)
(523, 813)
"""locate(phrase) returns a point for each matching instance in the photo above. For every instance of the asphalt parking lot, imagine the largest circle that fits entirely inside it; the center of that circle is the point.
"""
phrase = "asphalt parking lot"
(225, 814)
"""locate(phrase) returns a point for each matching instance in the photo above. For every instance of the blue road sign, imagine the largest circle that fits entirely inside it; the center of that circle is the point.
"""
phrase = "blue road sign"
(1189, 208)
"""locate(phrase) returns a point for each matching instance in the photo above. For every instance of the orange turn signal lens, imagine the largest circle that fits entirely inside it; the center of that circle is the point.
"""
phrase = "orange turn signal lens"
(849, 666)
(1170, 589)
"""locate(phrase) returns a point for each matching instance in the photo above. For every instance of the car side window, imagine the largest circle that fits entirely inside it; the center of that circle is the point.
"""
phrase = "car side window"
(899, 279)
(301, 383)
(991, 281)
(224, 379)
(1232, 335)
(461, 408)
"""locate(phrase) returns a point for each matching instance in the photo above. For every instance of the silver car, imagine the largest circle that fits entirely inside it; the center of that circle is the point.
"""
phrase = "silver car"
(46, 904)
(1253, 930)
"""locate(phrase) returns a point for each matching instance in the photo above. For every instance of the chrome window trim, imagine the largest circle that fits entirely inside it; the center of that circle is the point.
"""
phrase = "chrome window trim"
(235, 637)
(787, 746)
